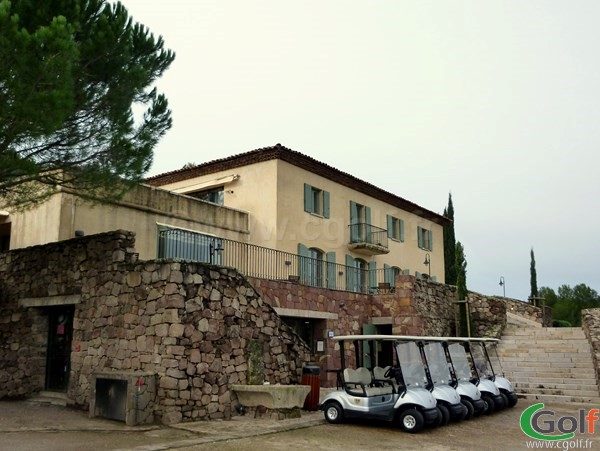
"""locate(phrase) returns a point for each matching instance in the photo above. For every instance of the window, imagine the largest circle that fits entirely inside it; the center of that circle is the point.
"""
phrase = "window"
(315, 267)
(390, 273)
(359, 274)
(188, 245)
(424, 239)
(360, 223)
(213, 195)
(395, 228)
(316, 201)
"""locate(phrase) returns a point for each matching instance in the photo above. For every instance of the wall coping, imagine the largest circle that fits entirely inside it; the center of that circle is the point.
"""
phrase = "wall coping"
(49, 301)
(299, 313)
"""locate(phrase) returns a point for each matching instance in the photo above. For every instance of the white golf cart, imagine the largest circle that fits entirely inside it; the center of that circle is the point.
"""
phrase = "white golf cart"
(464, 377)
(486, 356)
(395, 391)
(444, 385)
(481, 376)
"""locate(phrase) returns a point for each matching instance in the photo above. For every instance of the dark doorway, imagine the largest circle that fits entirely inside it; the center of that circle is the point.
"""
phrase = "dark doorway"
(60, 333)
(4, 237)
(385, 352)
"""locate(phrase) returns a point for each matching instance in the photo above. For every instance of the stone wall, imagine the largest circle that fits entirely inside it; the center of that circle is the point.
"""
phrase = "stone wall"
(488, 315)
(190, 324)
(590, 322)
(540, 315)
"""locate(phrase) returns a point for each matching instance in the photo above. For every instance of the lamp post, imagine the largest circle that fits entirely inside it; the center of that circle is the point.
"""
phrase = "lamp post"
(503, 285)
(427, 263)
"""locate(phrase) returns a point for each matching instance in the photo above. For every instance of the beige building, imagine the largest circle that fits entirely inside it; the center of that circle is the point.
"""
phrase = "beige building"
(306, 208)
(145, 210)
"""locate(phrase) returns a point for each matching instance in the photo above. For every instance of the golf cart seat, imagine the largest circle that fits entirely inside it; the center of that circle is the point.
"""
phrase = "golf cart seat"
(359, 383)
(379, 377)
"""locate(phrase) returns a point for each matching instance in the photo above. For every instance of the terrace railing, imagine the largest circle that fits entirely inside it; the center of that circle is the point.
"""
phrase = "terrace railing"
(265, 263)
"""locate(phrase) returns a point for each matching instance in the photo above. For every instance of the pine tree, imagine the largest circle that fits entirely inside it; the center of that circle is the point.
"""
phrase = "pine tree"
(71, 72)
(533, 277)
(450, 245)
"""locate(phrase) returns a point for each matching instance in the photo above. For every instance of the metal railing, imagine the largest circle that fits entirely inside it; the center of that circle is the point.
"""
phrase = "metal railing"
(265, 263)
(368, 233)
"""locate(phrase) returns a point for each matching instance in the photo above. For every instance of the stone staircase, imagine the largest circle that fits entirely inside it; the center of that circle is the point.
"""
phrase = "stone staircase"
(50, 398)
(552, 364)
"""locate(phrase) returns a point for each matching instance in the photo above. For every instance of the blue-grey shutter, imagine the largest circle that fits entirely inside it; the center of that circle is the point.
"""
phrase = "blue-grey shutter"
(354, 229)
(331, 271)
(420, 237)
(434, 278)
(326, 204)
(417, 274)
(430, 240)
(351, 278)
(303, 263)
(387, 273)
(308, 199)
(390, 226)
(372, 275)
(406, 272)
(368, 237)
(401, 230)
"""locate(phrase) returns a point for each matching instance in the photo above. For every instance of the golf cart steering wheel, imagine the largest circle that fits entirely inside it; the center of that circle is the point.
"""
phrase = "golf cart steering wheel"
(390, 373)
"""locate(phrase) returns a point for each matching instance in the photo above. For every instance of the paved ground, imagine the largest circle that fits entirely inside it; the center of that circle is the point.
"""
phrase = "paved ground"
(39, 427)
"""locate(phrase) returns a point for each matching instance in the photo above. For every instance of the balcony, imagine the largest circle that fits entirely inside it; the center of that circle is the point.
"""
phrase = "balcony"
(367, 239)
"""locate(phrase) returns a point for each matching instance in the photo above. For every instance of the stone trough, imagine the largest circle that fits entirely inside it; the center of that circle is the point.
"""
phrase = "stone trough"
(282, 400)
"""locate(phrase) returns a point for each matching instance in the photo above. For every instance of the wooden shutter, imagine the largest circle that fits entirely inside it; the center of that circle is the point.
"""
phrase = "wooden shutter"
(430, 235)
(401, 225)
(372, 275)
(351, 279)
(420, 237)
(303, 263)
(308, 200)
(390, 226)
(326, 204)
(331, 271)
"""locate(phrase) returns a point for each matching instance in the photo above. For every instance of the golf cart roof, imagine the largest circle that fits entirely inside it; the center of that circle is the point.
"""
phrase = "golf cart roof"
(387, 338)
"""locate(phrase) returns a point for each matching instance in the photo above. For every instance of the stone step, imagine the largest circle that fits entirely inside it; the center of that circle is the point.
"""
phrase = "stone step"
(551, 373)
(585, 387)
(565, 392)
(557, 363)
(544, 332)
(594, 400)
(50, 398)
(556, 380)
(545, 357)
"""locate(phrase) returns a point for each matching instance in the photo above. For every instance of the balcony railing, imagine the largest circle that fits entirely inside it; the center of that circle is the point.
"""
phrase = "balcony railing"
(368, 239)
(265, 263)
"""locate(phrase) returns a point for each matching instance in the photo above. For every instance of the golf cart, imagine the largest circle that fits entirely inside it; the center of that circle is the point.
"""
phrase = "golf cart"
(396, 392)
(462, 374)
(486, 356)
(439, 378)
(490, 394)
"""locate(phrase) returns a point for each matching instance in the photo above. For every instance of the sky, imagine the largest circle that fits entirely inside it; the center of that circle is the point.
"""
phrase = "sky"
(496, 102)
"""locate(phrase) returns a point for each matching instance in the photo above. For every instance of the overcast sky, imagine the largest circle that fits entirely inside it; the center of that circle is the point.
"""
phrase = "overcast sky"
(494, 101)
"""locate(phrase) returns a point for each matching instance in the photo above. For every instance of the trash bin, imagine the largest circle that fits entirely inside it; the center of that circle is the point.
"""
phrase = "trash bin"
(311, 376)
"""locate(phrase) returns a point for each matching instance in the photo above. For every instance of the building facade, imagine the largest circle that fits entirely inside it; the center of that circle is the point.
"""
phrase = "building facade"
(301, 206)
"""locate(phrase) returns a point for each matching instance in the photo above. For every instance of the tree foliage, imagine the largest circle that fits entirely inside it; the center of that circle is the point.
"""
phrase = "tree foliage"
(450, 245)
(568, 302)
(461, 286)
(71, 73)
(533, 276)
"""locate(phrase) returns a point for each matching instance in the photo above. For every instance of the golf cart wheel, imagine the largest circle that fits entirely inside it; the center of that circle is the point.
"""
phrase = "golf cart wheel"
(504, 400)
(512, 399)
(490, 407)
(334, 413)
(445, 414)
(439, 420)
(470, 409)
(412, 421)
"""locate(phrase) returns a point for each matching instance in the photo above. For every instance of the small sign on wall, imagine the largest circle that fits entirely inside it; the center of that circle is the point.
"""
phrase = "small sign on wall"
(320, 346)
(330, 334)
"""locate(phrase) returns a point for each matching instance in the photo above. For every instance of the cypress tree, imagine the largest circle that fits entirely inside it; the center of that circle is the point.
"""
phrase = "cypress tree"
(461, 286)
(450, 245)
(533, 279)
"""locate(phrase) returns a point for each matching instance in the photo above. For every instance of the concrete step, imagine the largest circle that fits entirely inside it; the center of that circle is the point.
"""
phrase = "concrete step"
(594, 400)
(541, 364)
(565, 392)
(551, 373)
(556, 380)
(545, 357)
(50, 398)
(593, 388)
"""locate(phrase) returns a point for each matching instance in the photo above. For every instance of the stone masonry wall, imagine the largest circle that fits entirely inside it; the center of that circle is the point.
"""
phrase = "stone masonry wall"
(590, 321)
(488, 315)
(190, 324)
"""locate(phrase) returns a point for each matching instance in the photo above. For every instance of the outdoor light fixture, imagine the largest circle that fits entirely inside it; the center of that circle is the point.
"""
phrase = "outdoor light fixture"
(214, 248)
(427, 263)
(503, 285)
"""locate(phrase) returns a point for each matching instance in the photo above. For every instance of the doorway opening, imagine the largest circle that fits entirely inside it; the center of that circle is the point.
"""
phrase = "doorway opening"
(60, 335)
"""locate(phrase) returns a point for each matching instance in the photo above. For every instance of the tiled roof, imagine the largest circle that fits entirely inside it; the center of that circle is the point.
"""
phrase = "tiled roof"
(302, 161)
